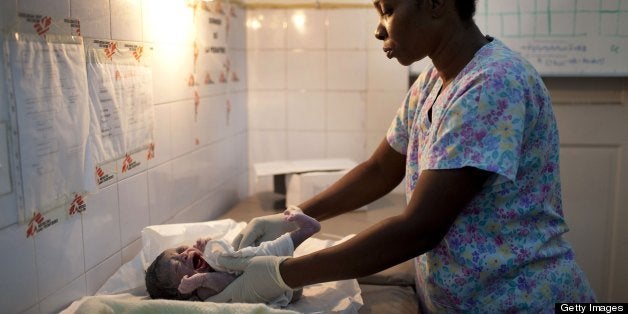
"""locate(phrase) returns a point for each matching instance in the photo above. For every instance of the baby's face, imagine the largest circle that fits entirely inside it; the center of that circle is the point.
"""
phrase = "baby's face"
(184, 260)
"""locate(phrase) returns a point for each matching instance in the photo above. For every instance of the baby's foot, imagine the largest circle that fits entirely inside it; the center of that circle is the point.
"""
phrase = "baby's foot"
(307, 226)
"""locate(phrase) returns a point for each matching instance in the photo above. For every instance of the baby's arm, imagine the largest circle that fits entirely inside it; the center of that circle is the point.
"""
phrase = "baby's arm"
(205, 284)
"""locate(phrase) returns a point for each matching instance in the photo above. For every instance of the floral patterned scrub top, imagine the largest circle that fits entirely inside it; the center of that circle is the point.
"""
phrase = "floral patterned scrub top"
(505, 251)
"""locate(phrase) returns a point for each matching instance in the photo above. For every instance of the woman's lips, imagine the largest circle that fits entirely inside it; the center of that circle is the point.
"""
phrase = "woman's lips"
(389, 52)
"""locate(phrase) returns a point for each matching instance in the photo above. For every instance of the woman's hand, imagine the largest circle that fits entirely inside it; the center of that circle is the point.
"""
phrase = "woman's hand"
(260, 229)
(261, 281)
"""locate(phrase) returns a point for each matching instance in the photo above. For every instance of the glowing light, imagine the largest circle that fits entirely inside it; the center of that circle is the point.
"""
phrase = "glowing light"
(298, 20)
(253, 23)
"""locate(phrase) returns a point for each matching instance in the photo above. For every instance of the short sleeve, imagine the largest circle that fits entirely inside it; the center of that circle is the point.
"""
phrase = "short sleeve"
(481, 128)
(397, 135)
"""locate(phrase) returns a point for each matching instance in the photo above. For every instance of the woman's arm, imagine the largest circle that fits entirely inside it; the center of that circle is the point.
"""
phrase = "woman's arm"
(440, 195)
(365, 183)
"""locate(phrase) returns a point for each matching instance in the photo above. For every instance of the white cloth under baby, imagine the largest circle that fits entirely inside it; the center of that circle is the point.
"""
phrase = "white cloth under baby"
(281, 246)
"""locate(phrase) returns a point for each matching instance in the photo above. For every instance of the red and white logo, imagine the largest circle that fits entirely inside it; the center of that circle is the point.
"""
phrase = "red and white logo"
(77, 206)
(102, 176)
(37, 219)
(111, 50)
(38, 223)
(43, 25)
(129, 163)
(137, 54)
(126, 163)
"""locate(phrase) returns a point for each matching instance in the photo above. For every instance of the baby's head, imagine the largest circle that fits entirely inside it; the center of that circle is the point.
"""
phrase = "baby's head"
(164, 274)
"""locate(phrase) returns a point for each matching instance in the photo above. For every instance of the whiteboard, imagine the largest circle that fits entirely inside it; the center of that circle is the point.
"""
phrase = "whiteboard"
(562, 37)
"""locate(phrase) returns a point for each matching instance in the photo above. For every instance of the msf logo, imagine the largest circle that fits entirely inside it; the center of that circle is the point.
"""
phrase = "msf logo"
(129, 163)
(39, 223)
(43, 26)
(137, 54)
(77, 206)
(111, 50)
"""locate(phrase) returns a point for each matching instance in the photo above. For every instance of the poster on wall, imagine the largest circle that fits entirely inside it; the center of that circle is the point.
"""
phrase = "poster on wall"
(122, 116)
(50, 124)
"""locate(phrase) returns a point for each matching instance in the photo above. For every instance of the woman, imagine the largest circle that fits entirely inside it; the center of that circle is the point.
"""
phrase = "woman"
(477, 141)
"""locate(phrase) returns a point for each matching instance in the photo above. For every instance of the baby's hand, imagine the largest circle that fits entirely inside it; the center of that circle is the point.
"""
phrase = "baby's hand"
(201, 243)
(190, 283)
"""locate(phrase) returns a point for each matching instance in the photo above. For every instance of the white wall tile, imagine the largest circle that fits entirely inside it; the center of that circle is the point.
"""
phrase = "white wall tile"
(172, 65)
(183, 127)
(266, 70)
(267, 145)
(8, 16)
(63, 297)
(267, 110)
(346, 29)
(236, 35)
(167, 21)
(133, 202)
(306, 110)
(239, 111)
(160, 193)
(8, 216)
(126, 19)
(97, 276)
(59, 255)
(214, 119)
(306, 29)
(372, 20)
(381, 109)
(239, 74)
(346, 145)
(346, 111)
(185, 180)
(305, 70)
(18, 281)
(131, 250)
(271, 31)
(346, 70)
(161, 135)
(54, 8)
(384, 73)
(101, 224)
(306, 145)
(94, 17)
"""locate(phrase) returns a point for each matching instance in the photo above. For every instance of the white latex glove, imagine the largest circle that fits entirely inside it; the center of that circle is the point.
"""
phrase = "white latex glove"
(261, 281)
(265, 228)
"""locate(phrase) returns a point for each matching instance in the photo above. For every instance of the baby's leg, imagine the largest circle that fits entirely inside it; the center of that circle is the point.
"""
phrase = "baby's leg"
(307, 226)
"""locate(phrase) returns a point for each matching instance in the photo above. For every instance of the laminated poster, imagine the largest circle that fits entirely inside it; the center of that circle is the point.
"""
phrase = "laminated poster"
(122, 116)
(50, 116)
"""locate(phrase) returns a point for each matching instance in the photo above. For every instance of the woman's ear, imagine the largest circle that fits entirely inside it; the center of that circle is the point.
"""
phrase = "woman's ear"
(438, 7)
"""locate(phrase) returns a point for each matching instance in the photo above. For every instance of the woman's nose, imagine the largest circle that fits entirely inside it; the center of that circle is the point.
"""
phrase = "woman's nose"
(380, 32)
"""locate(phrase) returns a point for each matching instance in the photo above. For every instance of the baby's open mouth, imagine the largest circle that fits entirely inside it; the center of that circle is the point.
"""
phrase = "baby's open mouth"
(200, 264)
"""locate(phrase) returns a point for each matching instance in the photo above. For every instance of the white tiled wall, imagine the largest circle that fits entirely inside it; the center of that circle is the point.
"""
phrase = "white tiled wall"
(319, 85)
(199, 169)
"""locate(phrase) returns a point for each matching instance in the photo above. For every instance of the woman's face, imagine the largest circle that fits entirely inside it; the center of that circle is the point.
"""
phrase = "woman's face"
(404, 27)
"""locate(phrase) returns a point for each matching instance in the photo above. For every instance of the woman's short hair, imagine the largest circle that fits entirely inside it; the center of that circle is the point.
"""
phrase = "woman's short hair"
(466, 9)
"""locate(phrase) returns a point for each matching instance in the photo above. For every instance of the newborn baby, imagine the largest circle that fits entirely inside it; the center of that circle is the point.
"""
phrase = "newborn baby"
(193, 273)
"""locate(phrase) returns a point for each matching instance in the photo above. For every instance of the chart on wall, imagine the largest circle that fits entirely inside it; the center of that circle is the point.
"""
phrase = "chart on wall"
(562, 37)
(51, 122)
(121, 99)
